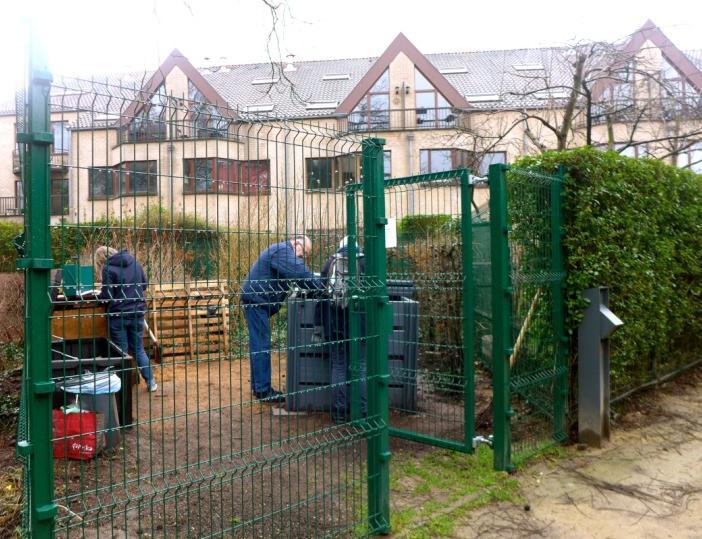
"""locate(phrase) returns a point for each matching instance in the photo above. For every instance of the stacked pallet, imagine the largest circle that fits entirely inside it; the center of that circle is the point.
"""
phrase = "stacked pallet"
(190, 320)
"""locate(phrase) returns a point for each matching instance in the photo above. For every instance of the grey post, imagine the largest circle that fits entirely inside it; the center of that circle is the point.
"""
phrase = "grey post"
(593, 367)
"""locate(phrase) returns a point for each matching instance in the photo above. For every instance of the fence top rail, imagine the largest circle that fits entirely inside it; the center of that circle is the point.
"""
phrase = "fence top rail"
(535, 175)
(457, 174)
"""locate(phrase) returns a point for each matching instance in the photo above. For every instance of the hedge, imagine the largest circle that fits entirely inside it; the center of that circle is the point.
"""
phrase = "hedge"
(634, 225)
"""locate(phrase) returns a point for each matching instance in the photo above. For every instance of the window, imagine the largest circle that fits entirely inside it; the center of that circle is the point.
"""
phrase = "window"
(19, 195)
(103, 182)
(138, 178)
(59, 196)
(691, 158)
(150, 123)
(332, 172)
(62, 137)
(387, 164)
(213, 175)
(432, 108)
(373, 111)
(127, 178)
(491, 158)
(442, 160)
(206, 120)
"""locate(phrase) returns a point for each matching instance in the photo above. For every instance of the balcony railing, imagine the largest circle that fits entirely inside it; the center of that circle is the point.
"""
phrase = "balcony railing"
(406, 119)
(10, 206)
(57, 160)
(653, 109)
(13, 206)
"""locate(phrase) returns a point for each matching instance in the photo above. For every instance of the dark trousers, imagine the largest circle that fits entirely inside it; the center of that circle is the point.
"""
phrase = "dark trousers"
(127, 332)
(336, 335)
(258, 320)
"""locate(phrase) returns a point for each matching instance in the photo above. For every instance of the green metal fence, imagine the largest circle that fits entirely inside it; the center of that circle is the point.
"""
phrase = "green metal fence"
(528, 340)
(195, 192)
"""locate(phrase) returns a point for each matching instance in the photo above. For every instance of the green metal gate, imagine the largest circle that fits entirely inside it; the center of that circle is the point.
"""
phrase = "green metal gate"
(528, 339)
(431, 304)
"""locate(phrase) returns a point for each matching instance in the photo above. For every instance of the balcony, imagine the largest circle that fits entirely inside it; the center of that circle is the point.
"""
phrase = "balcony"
(405, 119)
(10, 207)
(653, 109)
(57, 161)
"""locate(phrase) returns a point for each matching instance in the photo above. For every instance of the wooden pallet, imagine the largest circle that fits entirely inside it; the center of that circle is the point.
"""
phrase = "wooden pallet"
(190, 321)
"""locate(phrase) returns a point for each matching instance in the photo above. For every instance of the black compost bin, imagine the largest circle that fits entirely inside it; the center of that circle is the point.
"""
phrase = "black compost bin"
(76, 357)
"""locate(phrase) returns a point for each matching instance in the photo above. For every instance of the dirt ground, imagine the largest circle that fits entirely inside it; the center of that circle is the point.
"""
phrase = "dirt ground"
(646, 483)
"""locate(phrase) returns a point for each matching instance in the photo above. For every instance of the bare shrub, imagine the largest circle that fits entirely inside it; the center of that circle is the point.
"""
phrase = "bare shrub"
(11, 307)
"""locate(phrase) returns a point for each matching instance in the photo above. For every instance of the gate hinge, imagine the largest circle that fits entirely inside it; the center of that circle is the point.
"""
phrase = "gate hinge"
(43, 388)
(35, 263)
(381, 221)
(385, 456)
(46, 512)
(36, 137)
(41, 76)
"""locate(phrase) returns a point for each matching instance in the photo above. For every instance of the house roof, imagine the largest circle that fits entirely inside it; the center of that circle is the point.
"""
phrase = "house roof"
(175, 59)
(402, 45)
(649, 31)
(497, 79)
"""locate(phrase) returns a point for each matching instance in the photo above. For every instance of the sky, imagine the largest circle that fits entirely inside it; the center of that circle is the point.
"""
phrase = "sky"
(83, 37)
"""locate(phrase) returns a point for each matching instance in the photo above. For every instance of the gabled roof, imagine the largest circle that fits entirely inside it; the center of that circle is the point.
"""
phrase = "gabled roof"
(432, 74)
(175, 59)
(676, 57)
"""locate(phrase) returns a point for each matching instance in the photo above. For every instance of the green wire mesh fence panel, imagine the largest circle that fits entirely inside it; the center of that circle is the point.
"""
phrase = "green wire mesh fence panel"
(165, 379)
(529, 356)
(430, 292)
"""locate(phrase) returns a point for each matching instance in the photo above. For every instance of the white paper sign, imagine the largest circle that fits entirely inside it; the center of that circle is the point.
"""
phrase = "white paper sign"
(391, 233)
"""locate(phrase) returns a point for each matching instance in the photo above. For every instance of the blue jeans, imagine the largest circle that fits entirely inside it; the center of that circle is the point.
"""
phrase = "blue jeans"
(127, 332)
(258, 320)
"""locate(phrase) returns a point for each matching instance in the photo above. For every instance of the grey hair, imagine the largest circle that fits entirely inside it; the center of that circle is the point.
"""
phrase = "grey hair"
(304, 240)
(102, 253)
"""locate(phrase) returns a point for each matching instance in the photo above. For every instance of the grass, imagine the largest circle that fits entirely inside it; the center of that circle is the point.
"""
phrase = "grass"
(432, 491)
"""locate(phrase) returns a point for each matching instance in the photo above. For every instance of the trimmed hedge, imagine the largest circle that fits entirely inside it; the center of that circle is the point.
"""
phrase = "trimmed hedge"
(634, 225)
(8, 253)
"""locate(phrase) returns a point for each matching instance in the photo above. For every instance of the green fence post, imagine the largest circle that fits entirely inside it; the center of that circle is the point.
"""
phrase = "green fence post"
(502, 317)
(37, 264)
(354, 314)
(468, 312)
(558, 313)
(378, 322)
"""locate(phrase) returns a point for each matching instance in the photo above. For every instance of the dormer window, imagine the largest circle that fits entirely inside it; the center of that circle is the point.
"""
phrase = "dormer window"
(205, 119)
(373, 111)
(433, 110)
(151, 122)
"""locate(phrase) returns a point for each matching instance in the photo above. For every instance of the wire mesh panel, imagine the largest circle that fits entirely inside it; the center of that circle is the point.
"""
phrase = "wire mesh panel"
(200, 367)
(528, 275)
(431, 380)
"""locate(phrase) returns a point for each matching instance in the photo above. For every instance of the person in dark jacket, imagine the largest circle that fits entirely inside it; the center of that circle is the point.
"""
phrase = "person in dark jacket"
(263, 293)
(124, 286)
(334, 321)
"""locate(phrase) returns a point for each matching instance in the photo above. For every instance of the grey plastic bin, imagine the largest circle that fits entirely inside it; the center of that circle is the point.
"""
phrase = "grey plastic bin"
(308, 365)
(104, 404)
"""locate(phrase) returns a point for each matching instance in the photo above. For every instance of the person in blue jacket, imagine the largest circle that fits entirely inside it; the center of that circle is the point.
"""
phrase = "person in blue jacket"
(263, 293)
(124, 286)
